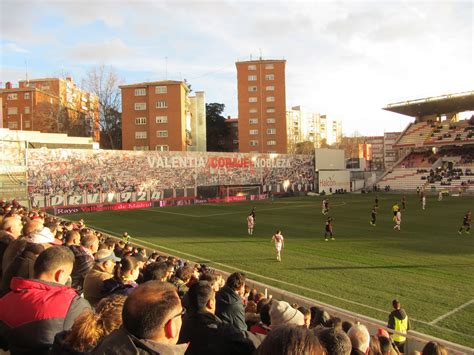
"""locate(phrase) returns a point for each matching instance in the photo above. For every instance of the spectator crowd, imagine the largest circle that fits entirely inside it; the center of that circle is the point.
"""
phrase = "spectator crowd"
(67, 289)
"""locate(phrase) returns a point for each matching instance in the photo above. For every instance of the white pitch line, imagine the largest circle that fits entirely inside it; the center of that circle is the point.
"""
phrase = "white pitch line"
(284, 282)
(157, 210)
(433, 322)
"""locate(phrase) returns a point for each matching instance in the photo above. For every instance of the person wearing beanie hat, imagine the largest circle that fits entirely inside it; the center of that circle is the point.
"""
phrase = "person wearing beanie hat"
(281, 313)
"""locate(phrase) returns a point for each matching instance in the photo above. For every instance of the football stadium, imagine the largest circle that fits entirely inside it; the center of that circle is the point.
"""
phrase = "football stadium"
(352, 243)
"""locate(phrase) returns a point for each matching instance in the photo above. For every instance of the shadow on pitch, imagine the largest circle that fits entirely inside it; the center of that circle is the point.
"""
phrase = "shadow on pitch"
(429, 266)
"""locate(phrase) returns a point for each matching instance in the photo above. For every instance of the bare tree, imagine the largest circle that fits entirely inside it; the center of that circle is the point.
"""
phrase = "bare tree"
(104, 82)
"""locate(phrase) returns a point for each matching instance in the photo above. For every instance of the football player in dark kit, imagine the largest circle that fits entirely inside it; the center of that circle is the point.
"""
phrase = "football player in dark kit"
(373, 216)
(466, 223)
(328, 229)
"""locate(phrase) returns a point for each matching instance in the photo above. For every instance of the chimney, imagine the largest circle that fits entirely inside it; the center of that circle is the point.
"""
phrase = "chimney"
(8, 85)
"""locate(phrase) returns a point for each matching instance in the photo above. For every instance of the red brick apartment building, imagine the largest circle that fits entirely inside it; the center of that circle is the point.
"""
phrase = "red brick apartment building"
(50, 105)
(262, 106)
(154, 116)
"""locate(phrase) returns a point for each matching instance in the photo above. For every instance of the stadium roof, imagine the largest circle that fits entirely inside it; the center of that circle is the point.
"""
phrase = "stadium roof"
(459, 102)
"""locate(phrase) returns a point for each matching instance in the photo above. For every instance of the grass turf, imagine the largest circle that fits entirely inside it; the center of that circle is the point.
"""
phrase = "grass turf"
(427, 265)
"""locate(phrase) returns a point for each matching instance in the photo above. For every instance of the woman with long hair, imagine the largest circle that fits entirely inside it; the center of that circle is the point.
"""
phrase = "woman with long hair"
(91, 327)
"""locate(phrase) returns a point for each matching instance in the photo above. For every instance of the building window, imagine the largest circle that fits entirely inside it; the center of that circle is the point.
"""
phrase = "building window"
(140, 92)
(270, 88)
(27, 124)
(162, 148)
(26, 96)
(140, 135)
(253, 110)
(268, 66)
(252, 67)
(27, 109)
(253, 121)
(270, 99)
(253, 132)
(161, 119)
(140, 106)
(252, 99)
(270, 120)
(271, 110)
(252, 78)
(235, 141)
(162, 134)
(271, 142)
(44, 87)
(140, 147)
(270, 77)
(140, 120)
(161, 104)
(13, 125)
(252, 89)
(161, 89)
(271, 131)
(12, 96)
(253, 143)
(12, 110)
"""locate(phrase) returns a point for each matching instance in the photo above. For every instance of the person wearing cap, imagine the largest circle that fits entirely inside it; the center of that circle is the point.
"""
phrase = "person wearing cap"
(398, 321)
(102, 270)
(281, 313)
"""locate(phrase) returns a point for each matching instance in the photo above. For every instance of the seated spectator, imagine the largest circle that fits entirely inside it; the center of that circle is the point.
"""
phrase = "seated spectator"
(90, 327)
(230, 307)
(10, 230)
(124, 280)
(434, 348)
(72, 238)
(157, 272)
(17, 246)
(290, 340)
(335, 341)
(103, 270)
(307, 315)
(374, 346)
(333, 322)
(263, 327)
(47, 306)
(206, 333)
(346, 325)
(360, 339)
(151, 323)
(84, 259)
(281, 313)
(181, 279)
(318, 317)
(214, 278)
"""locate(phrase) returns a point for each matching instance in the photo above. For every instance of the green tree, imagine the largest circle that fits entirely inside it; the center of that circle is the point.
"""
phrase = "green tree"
(217, 130)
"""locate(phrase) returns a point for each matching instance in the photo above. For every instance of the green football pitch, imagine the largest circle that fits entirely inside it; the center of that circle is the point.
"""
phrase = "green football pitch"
(428, 266)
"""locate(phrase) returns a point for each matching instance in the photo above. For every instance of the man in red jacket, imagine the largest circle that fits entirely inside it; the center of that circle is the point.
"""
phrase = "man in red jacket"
(35, 310)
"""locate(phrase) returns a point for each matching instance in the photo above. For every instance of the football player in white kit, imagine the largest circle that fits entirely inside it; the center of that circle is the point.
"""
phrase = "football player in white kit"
(250, 224)
(279, 243)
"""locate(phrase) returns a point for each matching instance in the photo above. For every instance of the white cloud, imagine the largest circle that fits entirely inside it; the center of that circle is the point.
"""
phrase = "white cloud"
(13, 47)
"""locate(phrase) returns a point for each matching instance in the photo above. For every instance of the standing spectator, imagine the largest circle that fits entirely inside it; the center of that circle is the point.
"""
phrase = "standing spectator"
(47, 306)
(360, 339)
(84, 258)
(230, 307)
(151, 323)
(206, 333)
(398, 321)
(102, 270)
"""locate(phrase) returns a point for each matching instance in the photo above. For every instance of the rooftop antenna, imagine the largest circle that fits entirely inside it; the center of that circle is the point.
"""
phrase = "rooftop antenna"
(250, 56)
(166, 68)
(260, 49)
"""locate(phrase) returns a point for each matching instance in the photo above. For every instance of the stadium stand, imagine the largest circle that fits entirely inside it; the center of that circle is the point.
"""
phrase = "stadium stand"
(415, 135)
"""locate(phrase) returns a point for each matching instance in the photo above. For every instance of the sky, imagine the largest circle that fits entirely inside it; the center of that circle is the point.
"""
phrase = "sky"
(345, 59)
